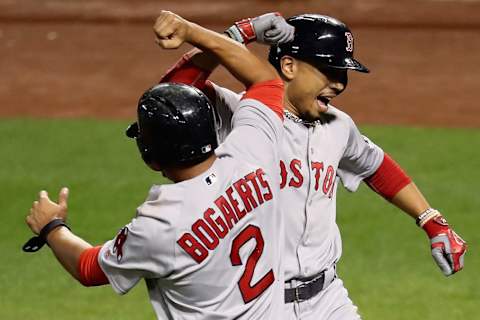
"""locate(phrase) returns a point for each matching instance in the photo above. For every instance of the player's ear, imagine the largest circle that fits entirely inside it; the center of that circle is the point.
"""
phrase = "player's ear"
(288, 67)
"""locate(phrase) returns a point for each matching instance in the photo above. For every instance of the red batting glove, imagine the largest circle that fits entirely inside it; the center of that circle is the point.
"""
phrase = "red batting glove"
(448, 249)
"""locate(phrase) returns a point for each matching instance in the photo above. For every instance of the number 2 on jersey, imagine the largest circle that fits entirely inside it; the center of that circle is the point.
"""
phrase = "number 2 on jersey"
(250, 292)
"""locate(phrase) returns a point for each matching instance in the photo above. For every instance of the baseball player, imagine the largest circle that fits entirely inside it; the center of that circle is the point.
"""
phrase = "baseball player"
(208, 246)
(322, 148)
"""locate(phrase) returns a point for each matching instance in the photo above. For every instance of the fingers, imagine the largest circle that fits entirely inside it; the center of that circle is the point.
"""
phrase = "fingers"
(173, 43)
(461, 260)
(458, 260)
(170, 30)
(281, 38)
(162, 16)
(63, 197)
(272, 33)
(442, 262)
(280, 33)
(163, 27)
(291, 34)
(28, 219)
(288, 34)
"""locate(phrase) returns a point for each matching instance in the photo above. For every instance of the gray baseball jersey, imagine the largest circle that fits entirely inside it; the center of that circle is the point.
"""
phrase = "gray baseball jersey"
(210, 247)
(314, 159)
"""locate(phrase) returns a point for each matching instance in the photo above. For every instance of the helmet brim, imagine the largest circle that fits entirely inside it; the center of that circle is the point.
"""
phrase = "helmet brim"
(351, 63)
(132, 131)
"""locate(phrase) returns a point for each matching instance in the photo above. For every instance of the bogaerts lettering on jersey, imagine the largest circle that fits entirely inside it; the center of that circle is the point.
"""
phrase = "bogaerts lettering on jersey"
(253, 190)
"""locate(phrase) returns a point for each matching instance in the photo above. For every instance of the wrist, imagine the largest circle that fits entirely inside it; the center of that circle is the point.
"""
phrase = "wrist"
(433, 223)
(189, 30)
(242, 31)
(426, 216)
(52, 228)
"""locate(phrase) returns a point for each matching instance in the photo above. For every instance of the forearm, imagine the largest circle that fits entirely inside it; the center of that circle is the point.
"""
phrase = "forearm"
(391, 182)
(67, 248)
(410, 200)
(203, 60)
(244, 65)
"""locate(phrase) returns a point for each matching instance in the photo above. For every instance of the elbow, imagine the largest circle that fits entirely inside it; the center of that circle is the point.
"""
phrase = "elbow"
(89, 273)
(389, 179)
(268, 73)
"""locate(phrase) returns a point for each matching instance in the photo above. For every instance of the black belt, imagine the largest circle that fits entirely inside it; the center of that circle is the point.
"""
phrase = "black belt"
(306, 290)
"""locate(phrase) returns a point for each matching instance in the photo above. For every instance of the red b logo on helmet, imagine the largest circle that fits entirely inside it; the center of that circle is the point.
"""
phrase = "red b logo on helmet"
(349, 46)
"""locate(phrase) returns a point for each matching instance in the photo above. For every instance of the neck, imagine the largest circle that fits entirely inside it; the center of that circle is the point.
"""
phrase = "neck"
(178, 174)
(288, 105)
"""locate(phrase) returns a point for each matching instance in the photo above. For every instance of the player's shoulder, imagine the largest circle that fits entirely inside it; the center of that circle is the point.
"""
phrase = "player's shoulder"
(163, 202)
(223, 92)
(340, 117)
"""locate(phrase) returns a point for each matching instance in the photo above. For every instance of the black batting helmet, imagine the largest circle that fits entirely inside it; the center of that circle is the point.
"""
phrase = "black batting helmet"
(323, 40)
(176, 126)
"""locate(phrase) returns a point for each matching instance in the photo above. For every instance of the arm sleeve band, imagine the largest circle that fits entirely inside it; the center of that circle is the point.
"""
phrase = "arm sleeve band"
(89, 270)
(270, 93)
(389, 178)
(184, 71)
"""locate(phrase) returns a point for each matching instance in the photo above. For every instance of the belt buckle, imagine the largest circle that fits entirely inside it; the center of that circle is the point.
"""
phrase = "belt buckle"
(297, 292)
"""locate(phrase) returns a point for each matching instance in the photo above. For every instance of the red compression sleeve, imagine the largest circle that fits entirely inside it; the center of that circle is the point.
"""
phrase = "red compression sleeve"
(389, 178)
(89, 270)
(184, 71)
(270, 93)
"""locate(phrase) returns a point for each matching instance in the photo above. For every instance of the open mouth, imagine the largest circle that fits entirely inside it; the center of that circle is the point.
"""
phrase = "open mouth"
(324, 100)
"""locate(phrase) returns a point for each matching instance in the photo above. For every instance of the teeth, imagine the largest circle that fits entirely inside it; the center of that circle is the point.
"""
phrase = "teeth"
(324, 99)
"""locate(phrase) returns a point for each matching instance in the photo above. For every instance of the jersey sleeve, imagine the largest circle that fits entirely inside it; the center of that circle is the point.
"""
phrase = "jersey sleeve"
(226, 103)
(360, 159)
(257, 127)
(142, 249)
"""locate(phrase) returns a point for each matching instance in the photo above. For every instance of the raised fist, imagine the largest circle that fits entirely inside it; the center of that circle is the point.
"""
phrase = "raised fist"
(271, 28)
(171, 30)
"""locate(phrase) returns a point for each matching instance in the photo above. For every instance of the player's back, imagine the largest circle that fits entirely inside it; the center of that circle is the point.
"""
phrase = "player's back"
(223, 230)
(210, 247)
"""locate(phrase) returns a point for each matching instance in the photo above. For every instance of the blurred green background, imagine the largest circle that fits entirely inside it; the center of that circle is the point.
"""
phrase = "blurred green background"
(386, 265)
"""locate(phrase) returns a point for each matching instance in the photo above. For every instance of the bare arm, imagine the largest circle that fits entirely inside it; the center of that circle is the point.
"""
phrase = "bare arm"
(448, 249)
(410, 200)
(270, 29)
(67, 248)
(172, 31)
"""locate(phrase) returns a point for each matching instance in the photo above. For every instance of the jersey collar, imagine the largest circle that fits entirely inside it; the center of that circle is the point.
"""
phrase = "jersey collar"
(296, 119)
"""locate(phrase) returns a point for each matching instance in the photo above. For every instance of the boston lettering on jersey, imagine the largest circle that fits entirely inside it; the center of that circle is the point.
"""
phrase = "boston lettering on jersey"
(321, 171)
(253, 190)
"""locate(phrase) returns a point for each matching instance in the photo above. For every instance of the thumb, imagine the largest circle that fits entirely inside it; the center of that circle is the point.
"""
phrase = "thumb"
(63, 197)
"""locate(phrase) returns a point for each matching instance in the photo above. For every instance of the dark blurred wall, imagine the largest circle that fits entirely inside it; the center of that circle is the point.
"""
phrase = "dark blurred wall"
(73, 58)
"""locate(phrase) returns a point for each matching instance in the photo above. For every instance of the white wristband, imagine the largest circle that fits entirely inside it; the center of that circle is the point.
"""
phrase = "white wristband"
(234, 33)
(426, 216)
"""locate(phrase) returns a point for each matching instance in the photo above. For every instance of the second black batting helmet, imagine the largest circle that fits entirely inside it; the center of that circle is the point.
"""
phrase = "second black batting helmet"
(321, 39)
(175, 127)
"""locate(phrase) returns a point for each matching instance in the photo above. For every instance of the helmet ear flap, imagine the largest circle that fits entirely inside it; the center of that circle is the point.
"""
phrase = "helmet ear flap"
(145, 151)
